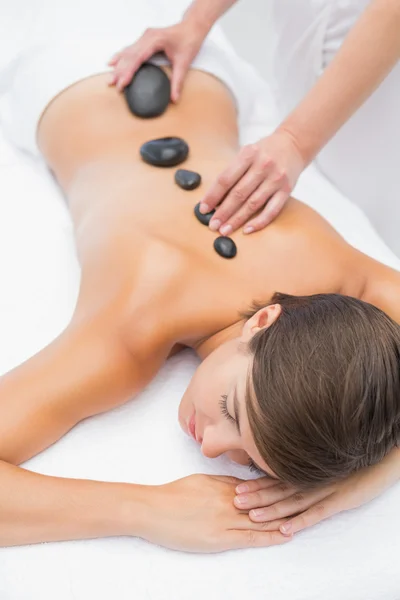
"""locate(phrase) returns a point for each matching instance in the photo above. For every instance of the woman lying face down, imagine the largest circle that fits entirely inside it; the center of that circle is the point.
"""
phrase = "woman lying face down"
(308, 394)
(305, 386)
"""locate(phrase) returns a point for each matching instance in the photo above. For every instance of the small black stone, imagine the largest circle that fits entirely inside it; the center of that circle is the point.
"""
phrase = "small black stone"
(149, 92)
(225, 247)
(203, 218)
(187, 180)
(165, 152)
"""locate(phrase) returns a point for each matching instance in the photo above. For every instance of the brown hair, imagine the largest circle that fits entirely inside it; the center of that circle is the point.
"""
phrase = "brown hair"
(323, 396)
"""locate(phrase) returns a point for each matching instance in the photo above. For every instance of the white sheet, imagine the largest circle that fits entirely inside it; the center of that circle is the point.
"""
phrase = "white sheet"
(353, 556)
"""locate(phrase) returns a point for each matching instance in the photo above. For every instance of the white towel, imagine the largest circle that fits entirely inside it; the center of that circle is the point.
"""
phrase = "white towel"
(353, 556)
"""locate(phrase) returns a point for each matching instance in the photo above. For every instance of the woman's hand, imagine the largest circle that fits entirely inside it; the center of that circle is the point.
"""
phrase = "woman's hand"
(180, 42)
(260, 178)
(270, 500)
(197, 514)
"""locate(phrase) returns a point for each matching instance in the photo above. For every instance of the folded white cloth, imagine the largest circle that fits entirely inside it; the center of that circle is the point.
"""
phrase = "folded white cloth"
(353, 556)
(36, 78)
(42, 70)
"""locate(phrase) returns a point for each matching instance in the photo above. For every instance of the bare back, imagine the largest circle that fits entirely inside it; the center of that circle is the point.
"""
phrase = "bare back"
(135, 227)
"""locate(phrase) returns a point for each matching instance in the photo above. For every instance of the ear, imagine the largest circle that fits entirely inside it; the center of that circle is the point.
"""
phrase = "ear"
(261, 320)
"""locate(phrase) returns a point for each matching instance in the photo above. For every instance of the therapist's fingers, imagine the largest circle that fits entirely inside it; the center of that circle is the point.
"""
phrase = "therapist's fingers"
(241, 202)
(179, 71)
(130, 62)
(270, 212)
(255, 202)
(112, 63)
(228, 178)
(127, 61)
(124, 68)
(114, 59)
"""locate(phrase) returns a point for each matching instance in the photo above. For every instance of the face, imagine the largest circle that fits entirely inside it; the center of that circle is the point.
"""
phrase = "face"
(213, 408)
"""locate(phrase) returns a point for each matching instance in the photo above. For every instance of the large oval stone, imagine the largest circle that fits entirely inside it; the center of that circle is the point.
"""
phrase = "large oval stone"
(225, 247)
(165, 152)
(187, 180)
(149, 92)
(204, 218)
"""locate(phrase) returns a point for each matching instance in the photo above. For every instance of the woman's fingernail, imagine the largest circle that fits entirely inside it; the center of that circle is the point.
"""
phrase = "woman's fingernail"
(226, 229)
(257, 512)
(215, 225)
(286, 527)
(248, 229)
(241, 499)
(242, 488)
(204, 208)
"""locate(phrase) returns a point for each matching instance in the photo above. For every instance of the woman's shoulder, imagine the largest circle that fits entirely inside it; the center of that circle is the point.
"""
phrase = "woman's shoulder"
(383, 289)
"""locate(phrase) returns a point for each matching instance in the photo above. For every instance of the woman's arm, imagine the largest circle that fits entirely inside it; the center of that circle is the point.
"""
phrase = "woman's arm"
(194, 514)
(204, 13)
(36, 508)
(262, 176)
(88, 369)
(366, 57)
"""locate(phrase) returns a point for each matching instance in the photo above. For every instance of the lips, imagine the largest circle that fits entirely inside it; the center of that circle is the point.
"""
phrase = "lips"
(192, 426)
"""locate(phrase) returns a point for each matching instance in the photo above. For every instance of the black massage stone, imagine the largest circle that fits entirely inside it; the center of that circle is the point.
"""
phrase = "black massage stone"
(225, 247)
(149, 92)
(165, 152)
(187, 180)
(203, 218)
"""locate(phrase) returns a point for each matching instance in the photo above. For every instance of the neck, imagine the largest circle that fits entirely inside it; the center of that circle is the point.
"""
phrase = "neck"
(205, 346)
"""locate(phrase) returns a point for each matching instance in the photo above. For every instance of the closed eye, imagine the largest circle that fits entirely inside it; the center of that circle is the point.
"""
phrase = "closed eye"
(224, 408)
(253, 467)
(256, 469)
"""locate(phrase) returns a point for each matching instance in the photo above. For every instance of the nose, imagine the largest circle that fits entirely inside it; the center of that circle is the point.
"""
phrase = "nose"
(210, 450)
(213, 444)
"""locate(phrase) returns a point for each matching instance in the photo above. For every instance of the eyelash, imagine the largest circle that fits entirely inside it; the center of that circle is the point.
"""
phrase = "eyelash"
(224, 408)
(253, 467)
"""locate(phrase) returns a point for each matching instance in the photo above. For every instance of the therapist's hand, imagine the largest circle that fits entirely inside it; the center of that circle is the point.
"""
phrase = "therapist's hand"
(180, 42)
(271, 501)
(197, 514)
(259, 180)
